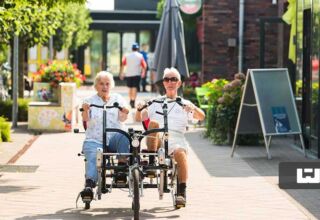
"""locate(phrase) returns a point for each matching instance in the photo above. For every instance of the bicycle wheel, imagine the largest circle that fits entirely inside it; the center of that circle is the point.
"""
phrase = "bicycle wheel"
(136, 193)
(175, 187)
(161, 184)
(87, 205)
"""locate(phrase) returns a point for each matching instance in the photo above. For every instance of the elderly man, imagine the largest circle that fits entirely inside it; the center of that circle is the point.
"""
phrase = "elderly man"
(177, 122)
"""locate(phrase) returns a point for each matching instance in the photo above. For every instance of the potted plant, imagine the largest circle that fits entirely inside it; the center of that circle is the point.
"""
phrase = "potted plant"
(49, 75)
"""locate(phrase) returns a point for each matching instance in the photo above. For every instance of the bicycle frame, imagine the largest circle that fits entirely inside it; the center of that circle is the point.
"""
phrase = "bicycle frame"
(135, 169)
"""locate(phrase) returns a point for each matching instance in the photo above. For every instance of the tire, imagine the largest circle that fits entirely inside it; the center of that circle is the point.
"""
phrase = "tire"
(136, 193)
(161, 184)
(176, 191)
(87, 205)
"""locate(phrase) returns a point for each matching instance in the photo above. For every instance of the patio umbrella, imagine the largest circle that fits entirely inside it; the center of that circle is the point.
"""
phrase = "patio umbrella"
(170, 46)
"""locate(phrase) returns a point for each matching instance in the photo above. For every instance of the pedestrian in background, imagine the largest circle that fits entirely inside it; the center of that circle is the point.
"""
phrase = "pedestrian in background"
(136, 69)
(144, 52)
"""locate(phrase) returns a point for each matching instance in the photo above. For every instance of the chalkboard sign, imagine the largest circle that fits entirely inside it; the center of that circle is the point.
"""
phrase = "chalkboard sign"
(267, 106)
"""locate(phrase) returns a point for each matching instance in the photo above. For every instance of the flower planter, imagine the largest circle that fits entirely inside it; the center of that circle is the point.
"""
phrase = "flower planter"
(43, 92)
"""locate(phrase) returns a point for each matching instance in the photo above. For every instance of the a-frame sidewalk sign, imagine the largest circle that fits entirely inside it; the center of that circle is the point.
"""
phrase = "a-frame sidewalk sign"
(268, 106)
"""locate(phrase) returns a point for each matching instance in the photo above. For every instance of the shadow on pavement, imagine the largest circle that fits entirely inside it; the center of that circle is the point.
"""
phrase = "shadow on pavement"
(247, 161)
(100, 213)
(250, 161)
(10, 189)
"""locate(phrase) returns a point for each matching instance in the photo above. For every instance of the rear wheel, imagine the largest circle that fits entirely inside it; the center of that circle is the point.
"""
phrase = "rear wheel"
(136, 194)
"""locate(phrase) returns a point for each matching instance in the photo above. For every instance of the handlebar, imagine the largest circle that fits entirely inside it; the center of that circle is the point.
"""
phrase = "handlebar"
(105, 107)
(178, 100)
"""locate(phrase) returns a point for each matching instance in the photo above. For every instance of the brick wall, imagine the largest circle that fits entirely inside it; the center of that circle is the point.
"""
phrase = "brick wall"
(220, 23)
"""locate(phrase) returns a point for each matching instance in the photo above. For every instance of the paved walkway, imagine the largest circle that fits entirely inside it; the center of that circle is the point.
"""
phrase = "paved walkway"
(220, 187)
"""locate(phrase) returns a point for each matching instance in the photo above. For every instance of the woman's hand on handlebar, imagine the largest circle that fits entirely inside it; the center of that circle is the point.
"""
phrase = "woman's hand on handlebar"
(124, 110)
(141, 115)
(85, 107)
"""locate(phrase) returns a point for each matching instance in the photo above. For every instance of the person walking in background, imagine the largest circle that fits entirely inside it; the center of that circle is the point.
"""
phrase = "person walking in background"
(136, 69)
(144, 53)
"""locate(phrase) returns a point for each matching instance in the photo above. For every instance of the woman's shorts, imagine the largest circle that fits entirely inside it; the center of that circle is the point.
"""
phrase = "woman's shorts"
(177, 141)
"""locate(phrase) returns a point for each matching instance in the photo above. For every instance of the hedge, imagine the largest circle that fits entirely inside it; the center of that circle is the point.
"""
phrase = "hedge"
(6, 109)
(4, 130)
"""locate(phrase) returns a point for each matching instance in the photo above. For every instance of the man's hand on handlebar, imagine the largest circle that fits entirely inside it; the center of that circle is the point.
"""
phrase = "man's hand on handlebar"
(189, 107)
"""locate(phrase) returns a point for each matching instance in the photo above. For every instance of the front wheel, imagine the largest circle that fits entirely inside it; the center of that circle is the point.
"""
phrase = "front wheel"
(161, 184)
(136, 193)
(87, 205)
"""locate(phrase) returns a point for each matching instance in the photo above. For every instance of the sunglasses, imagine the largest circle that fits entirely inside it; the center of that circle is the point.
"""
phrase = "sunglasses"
(172, 79)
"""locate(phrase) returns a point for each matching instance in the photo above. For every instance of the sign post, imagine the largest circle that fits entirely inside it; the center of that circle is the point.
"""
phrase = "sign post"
(268, 106)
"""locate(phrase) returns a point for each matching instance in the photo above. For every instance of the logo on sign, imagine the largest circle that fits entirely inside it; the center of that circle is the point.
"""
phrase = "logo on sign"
(308, 175)
(299, 175)
(190, 6)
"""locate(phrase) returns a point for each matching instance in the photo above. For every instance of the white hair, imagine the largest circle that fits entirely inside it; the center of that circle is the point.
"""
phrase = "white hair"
(104, 74)
(171, 70)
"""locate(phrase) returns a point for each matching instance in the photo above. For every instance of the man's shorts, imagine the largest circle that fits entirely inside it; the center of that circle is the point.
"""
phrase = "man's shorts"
(133, 81)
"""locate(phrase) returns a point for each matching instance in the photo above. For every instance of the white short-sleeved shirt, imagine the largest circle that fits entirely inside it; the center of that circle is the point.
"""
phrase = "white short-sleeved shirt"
(177, 123)
(177, 117)
(94, 127)
(134, 62)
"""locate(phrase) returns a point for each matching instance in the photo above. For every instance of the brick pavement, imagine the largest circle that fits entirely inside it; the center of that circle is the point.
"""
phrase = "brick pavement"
(220, 187)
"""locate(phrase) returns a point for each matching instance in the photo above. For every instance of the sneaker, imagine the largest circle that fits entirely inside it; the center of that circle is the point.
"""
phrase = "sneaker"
(181, 199)
(87, 194)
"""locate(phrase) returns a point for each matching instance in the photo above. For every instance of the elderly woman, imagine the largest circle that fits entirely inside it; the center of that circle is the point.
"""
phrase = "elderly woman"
(116, 142)
(177, 122)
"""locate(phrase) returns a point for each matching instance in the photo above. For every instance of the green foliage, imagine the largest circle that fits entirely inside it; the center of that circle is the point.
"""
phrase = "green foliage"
(56, 72)
(314, 93)
(190, 94)
(3, 53)
(6, 109)
(160, 7)
(4, 130)
(224, 98)
(74, 30)
(35, 21)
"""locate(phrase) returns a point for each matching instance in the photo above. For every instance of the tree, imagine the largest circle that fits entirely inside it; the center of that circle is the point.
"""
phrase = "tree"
(34, 21)
(74, 30)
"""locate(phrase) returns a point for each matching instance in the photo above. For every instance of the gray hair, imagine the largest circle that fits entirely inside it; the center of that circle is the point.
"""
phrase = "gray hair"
(171, 70)
(101, 75)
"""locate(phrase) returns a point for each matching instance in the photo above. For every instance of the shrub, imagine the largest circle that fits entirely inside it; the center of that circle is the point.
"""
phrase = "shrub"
(4, 130)
(190, 94)
(6, 109)
(224, 97)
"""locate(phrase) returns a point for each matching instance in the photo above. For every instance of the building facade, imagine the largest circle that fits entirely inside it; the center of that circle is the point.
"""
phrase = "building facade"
(270, 40)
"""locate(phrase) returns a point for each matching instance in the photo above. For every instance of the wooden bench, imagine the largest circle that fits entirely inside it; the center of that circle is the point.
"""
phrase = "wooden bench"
(201, 93)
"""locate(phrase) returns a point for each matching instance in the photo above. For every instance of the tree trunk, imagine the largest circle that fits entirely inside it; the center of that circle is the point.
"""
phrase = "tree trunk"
(21, 67)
